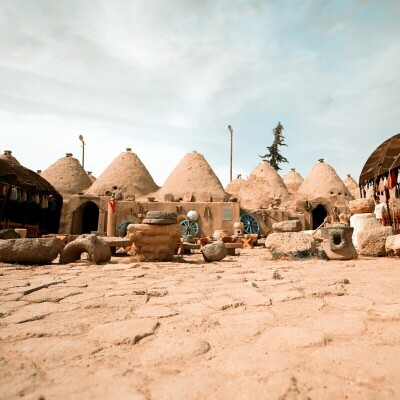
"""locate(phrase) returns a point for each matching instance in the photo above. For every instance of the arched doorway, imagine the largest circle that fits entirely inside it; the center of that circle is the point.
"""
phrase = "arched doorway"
(85, 219)
(90, 217)
(319, 213)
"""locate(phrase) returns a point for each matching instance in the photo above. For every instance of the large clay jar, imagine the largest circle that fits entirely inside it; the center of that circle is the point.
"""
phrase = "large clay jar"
(337, 243)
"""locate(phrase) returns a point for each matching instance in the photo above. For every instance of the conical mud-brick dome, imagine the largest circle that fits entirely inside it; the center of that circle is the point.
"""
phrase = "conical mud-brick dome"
(323, 181)
(9, 157)
(193, 180)
(293, 180)
(128, 174)
(234, 186)
(352, 186)
(91, 177)
(263, 187)
(67, 176)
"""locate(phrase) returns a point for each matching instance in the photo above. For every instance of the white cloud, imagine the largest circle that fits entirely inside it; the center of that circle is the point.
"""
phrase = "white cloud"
(167, 77)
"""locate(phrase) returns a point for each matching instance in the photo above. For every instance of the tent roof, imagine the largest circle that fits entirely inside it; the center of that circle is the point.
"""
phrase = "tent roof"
(386, 156)
(9, 157)
(21, 177)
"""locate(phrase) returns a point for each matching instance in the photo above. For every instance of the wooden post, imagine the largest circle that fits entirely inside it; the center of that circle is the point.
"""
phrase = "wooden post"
(83, 150)
(231, 152)
(387, 205)
(83, 154)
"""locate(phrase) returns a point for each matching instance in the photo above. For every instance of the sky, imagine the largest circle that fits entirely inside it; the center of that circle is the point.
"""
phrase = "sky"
(166, 77)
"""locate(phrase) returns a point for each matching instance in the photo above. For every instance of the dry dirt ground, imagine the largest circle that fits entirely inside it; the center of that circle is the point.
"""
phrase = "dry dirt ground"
(235, 329)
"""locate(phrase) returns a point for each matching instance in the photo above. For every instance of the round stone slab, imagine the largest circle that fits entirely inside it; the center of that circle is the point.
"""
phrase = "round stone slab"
(159, 221)
(161, 215)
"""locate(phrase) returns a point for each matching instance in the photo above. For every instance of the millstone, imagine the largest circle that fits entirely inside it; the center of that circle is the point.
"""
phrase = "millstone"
(159, 221)
(161, 215)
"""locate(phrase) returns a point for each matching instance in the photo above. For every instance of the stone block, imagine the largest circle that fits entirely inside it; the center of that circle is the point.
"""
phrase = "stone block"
(363, 222)
(372, 242)
(361, 206)
(287, 226)
(290, 244)
(30, 251)
(392, 245)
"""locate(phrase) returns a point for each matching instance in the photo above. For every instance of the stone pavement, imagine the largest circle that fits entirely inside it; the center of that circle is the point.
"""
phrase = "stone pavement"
(242, 328)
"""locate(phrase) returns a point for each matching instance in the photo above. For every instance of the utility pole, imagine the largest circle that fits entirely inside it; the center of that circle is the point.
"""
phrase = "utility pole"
(83, 150)
(231, 135)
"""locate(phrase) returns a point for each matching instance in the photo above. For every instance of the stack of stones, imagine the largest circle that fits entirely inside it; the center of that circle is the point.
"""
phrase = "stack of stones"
(369, 235)
(156, 237)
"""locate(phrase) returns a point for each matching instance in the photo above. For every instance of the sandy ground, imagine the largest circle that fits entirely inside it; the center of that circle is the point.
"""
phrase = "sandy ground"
(191, 330)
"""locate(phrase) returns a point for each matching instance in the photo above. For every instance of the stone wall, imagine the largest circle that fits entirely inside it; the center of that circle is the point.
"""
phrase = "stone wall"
(71, 213)
(267, 217)
(211, 215)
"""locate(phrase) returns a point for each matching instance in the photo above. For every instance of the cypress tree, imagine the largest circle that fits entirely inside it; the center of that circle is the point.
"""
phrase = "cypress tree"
(274, 156)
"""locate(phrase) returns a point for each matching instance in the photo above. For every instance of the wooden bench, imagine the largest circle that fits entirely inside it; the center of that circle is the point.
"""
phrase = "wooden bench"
(231, 248)
(186, 248)
(114, 242)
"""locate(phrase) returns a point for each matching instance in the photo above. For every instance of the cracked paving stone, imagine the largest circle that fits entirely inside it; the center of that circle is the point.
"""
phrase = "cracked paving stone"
(155, 312)
(124, 332)
(33, 312)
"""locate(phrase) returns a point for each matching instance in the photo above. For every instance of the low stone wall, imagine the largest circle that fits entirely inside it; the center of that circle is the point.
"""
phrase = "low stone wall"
(212, 216)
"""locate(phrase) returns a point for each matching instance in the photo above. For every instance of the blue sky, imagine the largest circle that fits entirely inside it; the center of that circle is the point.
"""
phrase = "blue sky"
(167, 77)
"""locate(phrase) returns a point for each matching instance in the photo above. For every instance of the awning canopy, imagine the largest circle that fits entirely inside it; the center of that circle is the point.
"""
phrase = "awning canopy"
(23, 178)
(385, 157)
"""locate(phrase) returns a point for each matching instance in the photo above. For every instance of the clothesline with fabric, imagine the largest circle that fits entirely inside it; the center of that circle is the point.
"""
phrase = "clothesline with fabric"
(379, 185)
(13, 193)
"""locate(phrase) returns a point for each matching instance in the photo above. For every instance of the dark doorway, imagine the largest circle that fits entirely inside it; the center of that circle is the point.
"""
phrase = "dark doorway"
(85, 219)
(319, 213)
(90, 217)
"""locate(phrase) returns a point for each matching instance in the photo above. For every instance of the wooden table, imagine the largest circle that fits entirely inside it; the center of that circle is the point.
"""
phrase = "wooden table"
(247, 242)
